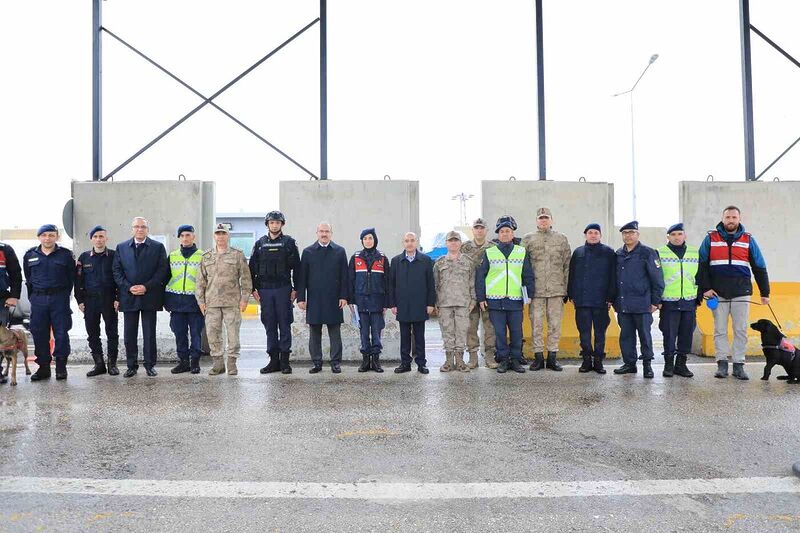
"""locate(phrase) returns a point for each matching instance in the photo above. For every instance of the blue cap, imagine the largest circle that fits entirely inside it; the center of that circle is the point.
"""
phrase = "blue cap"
(46, 227)
(593, 225)
(675, 227)
(185, 227)
(505, 221)
(633, 224)
(95, 230)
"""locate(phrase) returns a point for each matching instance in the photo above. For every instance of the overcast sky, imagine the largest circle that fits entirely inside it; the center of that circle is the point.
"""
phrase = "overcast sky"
(440, 91)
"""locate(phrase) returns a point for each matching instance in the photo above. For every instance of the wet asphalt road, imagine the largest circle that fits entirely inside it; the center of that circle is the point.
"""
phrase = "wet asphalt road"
(363, 428)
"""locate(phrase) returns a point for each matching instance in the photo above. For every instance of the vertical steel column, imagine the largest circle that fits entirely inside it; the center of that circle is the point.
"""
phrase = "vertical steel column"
(747, 91)
(323, 89)
(540, 90)
(97, 93)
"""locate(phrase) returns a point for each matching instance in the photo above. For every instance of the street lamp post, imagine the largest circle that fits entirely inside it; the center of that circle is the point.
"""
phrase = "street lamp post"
(633, 148)
(462, 198)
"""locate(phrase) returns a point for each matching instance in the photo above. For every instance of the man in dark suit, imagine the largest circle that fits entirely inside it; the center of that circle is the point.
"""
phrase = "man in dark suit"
(141, 271)
(413, 296)
(322, 292)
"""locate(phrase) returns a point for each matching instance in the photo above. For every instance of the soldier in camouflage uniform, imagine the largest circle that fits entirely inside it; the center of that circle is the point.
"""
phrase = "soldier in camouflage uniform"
(549, 254)
(474, 249)
(223, 289)
(454, 279)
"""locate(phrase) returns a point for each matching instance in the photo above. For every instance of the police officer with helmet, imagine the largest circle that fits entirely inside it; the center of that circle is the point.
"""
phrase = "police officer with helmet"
(273, 263)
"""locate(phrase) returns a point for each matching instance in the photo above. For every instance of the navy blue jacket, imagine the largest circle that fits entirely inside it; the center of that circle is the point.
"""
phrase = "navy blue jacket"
(730, 281)
(322, 283)
(640, 282)
(369, 281)
(150, 269)
(592, 275)
(10, 274)
(52, 273)
(94, 277)
(411, 287)
(528, 280)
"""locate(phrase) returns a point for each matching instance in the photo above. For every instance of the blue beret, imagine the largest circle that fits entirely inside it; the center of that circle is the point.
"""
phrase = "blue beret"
(630, 225)
(46, 227)
(368, 231)
(593, 225)
(95, 230)
(675, 227)
(185, 227)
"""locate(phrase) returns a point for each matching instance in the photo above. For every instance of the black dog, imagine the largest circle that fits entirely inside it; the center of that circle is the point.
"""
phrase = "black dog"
(777, 351)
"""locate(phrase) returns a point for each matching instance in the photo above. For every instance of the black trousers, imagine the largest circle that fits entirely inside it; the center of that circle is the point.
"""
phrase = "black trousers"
(95, 308)
(148, 337)
(315, 343)
(417, 330)
(678, 329)
(586, 319)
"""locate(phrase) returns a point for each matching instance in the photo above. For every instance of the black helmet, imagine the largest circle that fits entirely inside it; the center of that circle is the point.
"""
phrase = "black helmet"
(274, 215)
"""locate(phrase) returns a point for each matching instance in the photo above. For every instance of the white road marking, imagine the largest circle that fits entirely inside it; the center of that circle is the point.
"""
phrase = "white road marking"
(395, 491)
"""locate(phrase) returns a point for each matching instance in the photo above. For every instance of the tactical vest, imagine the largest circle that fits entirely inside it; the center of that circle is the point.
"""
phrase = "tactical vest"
(273, 258)
(184, 272)
(504, 279)
(679, 274)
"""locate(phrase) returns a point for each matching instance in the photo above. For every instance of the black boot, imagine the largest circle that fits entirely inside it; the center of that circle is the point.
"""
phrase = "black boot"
(669, 366)
(274, 364)
(738, 372)
(538, 361)
(597, 363)
(61, 368)
(627, 368)
(503, 366)
(284, 363)
(551, 363)
(99, 366)
(517, 366)
(647, 370)
(402, 369)
(112, 365)
(722, 369)
(586, 366)
(680, 367)
(194, 365)
(182, 366)
(42, 373)
(376, 363)
(366, 364)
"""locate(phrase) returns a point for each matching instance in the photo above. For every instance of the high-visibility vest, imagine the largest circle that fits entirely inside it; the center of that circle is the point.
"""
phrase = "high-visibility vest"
(184, 271)
(679, 273)
(504, 279)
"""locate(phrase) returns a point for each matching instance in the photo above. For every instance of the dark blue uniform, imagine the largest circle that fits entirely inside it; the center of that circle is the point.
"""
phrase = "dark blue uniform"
(273, 266)
(640, 284)
(369, 292)
(591, 287)
(96, 290)
(50, 278)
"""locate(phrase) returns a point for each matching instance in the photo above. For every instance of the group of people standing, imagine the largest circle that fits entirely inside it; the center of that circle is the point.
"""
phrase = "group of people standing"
(477, 282)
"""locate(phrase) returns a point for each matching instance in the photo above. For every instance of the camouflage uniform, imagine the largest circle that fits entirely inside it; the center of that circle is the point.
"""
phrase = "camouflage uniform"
(475, 252)
(550, 254)
(455, 294)
(223, 282)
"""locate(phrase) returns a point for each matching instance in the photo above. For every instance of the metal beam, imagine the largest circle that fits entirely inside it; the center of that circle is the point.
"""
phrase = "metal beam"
(323, 89)
(97, 92)
(540, 90)
(747, 91)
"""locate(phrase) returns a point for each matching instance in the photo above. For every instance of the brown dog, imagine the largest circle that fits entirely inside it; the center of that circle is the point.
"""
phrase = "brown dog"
(13, 341)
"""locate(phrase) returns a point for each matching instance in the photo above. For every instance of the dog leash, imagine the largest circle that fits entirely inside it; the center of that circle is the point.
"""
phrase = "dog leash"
(778, 322)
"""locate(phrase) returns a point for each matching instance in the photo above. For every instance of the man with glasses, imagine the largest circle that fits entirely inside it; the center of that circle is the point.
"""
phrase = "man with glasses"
(141, 271)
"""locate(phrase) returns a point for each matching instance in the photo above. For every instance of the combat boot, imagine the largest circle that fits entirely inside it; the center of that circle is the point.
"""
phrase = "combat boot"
(538, 361)
(99, 366)
(61, 368)
(449, 362)
(669, 366)
(42, 373)
(232, 370)
(517, 366)
(285, 367)
(647, 370)
(551, 363)
(460, 365)
(597, 363)
(490, 361)
(722, 369)
(376, 363)
(112, 365)
(274, 364)
(473, 360)
(194, 365)
(503, 366)
(680, 367)
(739, 373)
(586, 366)
(182, 366)
(219, 366)
(366, 364)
